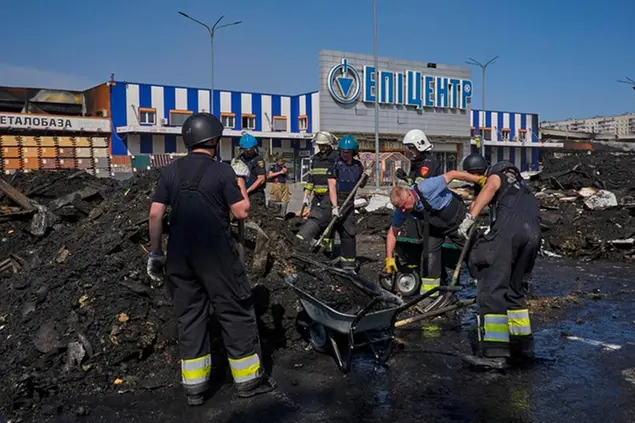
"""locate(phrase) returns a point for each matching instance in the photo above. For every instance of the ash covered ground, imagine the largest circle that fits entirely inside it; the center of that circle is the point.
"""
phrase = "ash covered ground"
(79, 315)
(573, 224)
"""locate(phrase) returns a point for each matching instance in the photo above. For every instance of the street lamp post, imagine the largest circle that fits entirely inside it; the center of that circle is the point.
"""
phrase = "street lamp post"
(375, 52)
(484, 70)
(211, 30)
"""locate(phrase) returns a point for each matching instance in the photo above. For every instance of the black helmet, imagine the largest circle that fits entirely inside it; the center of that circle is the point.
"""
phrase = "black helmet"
(474, 162)
(200, 128)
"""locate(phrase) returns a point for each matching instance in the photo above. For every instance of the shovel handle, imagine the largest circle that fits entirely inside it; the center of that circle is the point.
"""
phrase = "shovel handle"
(349, 198)
(457, 269)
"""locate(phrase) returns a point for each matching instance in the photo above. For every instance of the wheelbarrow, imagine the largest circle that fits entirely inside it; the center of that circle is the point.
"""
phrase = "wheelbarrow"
(375, 329)
(407, 280)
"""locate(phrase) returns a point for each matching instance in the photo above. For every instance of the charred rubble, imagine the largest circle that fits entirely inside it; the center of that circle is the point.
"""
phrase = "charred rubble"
(588, 205)
(78, 314)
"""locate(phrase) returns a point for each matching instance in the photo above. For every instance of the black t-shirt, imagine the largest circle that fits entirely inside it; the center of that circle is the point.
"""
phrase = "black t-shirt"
(218, 183)
(256, 165)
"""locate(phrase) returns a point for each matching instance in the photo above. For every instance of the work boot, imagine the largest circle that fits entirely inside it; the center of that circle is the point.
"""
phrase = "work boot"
(195, 400)
(261, 386)
(485, 363)
(521, 349)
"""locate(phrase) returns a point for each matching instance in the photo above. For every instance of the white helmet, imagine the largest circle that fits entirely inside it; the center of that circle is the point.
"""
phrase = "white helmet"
(419, 139)
(324, 138)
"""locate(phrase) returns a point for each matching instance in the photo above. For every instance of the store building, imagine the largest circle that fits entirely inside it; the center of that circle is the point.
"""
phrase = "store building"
(54, 129)
(147, 119)
(508, 136)
(428, 96)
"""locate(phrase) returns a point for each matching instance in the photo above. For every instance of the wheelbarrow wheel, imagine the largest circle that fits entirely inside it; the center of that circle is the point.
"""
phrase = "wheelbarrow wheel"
(408, 284)
(385, 280)
(318, 337)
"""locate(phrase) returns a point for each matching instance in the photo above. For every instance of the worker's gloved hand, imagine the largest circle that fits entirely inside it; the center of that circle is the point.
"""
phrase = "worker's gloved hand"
(466, 225)
(482, 180)
(156, 263)
(335, 212)
(400, 174)
(240, 168)
(391, 265)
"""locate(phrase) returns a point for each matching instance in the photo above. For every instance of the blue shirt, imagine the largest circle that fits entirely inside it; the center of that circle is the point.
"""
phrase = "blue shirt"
(434, 191)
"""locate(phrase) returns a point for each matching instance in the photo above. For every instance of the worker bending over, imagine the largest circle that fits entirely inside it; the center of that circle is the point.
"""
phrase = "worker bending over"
(500, 260)
(203, 266)
(317, 184)
(342, 179)
(423, 165)
(445, 212)
(256, 183)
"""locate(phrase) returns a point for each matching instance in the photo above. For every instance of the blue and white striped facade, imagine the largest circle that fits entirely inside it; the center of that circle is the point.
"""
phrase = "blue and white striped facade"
(130, 136)
(508, 136)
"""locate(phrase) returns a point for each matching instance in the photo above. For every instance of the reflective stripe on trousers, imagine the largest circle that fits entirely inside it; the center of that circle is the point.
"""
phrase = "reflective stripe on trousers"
(327, 243)
(347, 262)
(519, 323)
(429, 283)
(245, 369)
(495, 328)
(196, 371)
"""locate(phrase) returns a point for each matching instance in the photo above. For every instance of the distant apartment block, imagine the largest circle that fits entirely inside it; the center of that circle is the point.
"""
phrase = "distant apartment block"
(618, 125)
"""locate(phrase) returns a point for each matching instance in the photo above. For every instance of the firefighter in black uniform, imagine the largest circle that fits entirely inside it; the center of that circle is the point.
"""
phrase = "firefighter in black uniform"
(257, 182)
(342, 179)
(501, 259)
(320, 216)
(203, 266)
(422, 163)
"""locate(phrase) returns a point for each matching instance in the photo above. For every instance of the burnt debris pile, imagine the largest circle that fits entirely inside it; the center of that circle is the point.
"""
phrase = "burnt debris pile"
(78, 314)
(588, 205)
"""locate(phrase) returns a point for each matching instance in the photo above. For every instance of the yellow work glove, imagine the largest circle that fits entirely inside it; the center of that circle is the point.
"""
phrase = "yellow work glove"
(482, 180)
(391, 266)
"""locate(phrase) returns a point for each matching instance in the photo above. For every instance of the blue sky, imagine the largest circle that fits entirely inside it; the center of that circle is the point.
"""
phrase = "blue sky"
(558, 58)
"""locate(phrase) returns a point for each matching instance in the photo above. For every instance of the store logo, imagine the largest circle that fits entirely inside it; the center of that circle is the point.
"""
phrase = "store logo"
(409, 88)
(344, 83)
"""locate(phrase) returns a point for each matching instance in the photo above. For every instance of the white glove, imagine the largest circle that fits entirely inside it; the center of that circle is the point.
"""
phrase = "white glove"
(466, 225)
(156, 263)
(335, 212)
(305, 200)
(240, 168)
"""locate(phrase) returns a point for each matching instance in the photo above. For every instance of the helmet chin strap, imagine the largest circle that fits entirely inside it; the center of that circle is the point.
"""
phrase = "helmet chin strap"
(208, 147)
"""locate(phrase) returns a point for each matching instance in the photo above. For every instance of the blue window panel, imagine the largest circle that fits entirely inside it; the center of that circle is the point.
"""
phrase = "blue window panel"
(192, 100)
(169, 101)
(170, 144)
(256, 108)
(237, 109)
(145, 95)
(145, 146)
